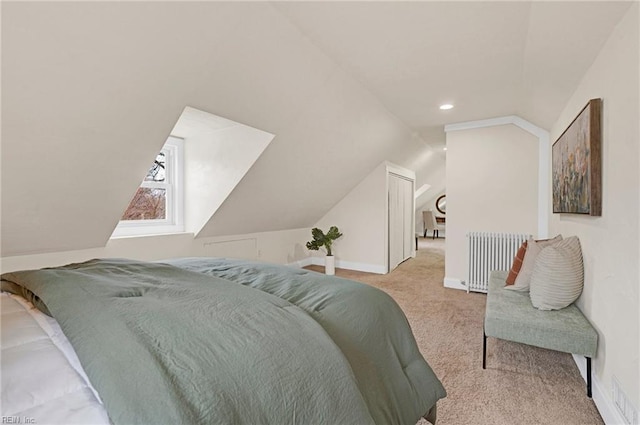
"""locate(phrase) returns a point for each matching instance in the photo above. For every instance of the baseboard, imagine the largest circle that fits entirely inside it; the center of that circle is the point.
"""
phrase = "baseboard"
(349, 265)
(361, 267)
(453, 283)
(604, 404)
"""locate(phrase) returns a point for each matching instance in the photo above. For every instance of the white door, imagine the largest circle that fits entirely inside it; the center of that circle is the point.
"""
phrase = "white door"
(396, 224)
(408, 233)
(400, 219)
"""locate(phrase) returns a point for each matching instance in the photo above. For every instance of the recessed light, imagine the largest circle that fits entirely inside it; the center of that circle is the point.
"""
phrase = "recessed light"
(444, 149)
(446, 106)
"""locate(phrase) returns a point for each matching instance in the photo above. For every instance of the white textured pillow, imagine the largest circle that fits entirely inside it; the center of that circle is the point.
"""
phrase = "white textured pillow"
(558, 275)
(533, 249)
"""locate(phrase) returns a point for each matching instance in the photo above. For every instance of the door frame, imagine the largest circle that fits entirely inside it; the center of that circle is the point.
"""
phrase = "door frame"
(406, 174)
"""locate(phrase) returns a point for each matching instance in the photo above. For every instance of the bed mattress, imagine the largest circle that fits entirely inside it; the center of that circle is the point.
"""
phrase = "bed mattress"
(33, 348)
(315, 349)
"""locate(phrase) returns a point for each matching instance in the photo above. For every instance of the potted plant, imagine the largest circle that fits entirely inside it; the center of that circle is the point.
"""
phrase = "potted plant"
(322, 240)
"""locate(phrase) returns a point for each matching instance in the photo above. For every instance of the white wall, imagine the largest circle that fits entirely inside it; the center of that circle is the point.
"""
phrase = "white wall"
(610, 243)
(90, 108)
(214, 163)
(429, 164)
(362, 217)
(492, 185)
(281, 247)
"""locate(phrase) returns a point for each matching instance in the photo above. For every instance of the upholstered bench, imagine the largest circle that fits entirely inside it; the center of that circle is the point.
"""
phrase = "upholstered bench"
(509, 315)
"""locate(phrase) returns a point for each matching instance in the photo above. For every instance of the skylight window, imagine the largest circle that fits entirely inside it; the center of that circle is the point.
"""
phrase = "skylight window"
(157, 207)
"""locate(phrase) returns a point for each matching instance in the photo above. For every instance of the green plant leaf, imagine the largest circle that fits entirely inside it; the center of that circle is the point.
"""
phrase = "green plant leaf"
(333, 233)
(313, 246)
(320, 239)
(317, 234)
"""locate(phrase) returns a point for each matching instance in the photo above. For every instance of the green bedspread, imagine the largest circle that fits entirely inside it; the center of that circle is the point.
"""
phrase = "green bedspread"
(167, 345)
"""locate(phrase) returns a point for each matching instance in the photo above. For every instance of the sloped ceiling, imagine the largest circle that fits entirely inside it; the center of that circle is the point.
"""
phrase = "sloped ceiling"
(487, 58)
(90, 92)
(217, 154)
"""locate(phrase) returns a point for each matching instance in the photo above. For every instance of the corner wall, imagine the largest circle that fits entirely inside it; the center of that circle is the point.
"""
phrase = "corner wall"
(610, 246)
(361, 217)
(492, 186)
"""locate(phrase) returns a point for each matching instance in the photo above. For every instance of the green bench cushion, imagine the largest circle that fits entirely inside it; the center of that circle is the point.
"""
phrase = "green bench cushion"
(511, 316)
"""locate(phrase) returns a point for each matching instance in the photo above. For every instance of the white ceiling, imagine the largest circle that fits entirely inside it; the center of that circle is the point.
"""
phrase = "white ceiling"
(487, 58)
(342, 85)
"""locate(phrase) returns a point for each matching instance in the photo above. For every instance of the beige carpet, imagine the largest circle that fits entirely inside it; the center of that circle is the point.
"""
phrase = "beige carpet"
(521, 385)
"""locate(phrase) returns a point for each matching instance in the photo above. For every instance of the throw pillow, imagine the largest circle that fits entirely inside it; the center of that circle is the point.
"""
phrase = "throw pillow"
(558, 275)
(517, 264)
(533, 249)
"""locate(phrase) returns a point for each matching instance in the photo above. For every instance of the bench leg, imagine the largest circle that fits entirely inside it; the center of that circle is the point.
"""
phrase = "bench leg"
(588, 376)
(484, 349)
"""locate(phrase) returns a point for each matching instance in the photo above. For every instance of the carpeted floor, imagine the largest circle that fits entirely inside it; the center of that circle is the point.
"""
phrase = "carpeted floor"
(521, 385)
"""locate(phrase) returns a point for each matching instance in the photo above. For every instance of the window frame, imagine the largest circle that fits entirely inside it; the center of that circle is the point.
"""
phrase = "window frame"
(174, 190)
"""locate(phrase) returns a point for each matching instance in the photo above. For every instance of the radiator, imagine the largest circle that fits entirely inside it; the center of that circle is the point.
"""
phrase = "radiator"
(490, 251)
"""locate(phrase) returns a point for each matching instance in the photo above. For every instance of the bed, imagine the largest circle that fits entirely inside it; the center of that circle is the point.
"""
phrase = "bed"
(207, 340)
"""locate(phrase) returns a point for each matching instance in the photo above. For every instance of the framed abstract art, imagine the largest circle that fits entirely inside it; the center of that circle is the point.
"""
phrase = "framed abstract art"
(577, 164)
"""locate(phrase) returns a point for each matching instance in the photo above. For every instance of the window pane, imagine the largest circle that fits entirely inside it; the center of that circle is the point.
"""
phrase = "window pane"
(157, 171)
(147, 204)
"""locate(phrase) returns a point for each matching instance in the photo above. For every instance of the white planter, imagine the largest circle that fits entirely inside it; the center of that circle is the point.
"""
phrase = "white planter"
(330, 265)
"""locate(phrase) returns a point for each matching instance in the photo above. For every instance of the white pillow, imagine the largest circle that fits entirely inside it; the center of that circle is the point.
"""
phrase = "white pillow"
(558, 275)
(533, 249)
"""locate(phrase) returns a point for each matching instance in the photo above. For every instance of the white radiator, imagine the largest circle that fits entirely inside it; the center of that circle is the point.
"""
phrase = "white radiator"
(490, 251)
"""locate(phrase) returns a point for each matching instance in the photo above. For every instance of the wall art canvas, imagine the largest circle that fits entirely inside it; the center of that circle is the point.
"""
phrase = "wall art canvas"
(577, 162)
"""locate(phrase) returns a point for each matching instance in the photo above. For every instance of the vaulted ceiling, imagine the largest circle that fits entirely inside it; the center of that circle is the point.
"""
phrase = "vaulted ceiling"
(489, 59)
(91, 90)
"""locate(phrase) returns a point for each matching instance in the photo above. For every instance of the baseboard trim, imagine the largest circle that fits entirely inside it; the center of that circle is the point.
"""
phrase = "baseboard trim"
(361, 267)
(604, 404)
(453, 283)
(349, 265)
